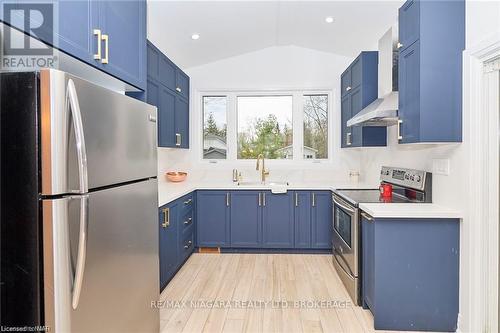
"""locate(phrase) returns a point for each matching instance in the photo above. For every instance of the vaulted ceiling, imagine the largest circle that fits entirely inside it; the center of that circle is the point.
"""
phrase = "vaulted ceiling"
(229, 28)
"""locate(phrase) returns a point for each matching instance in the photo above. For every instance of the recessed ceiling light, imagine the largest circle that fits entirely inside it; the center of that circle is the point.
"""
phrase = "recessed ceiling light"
(195, 36)
(329, 19)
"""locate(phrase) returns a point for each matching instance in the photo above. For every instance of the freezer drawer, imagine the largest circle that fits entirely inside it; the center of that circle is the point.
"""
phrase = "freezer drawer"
(120, 276)
(93, 136)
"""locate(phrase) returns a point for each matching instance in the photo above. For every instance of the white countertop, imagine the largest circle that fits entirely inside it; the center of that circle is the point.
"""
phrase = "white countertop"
(168, 191)
(409, 210)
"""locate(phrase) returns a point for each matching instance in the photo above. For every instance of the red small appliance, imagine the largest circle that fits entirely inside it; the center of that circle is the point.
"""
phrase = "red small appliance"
(385, 190)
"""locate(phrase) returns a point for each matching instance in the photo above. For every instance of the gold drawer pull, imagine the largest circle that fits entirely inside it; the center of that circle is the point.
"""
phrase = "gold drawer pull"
(166, 218)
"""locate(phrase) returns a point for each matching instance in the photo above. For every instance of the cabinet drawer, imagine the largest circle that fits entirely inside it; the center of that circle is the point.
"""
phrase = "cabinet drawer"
(186, 204)
(187, 244)
(187, 220)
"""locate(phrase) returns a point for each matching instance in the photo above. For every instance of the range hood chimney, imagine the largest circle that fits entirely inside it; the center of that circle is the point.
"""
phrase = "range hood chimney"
(384, 110)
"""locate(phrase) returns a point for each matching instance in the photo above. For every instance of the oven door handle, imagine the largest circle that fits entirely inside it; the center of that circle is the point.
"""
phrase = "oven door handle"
(344, 207)
(336, 253)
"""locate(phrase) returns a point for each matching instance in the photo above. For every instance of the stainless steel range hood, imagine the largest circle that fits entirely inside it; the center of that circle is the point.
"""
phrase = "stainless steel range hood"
(384, 110)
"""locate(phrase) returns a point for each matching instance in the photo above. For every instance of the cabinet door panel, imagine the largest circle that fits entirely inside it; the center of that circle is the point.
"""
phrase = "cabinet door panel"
(167, 73)
(409, 93)
(345, 116)
(302, 216)
(246, 219)
(368, 250)
(213, 218)
(277, 220)
(356, 105)
(81, 42)
(356, 72)
(166, 114)
(169, 254)
(182, 84)
(182, 121)
(322, 221)
(125, 24)
(345, 82)
(153, 56)
(409, 23)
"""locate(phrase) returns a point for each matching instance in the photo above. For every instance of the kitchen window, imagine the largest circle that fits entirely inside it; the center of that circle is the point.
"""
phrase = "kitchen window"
(214, 127)
(283, 126)
(315, 126)
(265, 127)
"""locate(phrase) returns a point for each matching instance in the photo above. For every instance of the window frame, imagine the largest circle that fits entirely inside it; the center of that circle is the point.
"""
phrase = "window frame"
(297, 124)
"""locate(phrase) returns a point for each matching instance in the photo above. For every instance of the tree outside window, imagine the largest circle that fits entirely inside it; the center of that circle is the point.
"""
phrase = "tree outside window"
(265, 127)
(315, 126)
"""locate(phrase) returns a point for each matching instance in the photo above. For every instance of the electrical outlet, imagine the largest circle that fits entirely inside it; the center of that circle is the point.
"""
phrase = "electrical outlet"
(441, 166)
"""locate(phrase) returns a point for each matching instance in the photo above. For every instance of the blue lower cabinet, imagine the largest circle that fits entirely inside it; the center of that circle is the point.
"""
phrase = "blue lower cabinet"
(277, 220)
(212, 211)
(302, 219)
(168, 252)
(322, 227)
(246, 219)
(411, 273)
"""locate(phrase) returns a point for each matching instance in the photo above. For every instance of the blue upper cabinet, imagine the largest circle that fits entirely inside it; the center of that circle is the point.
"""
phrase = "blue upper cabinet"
(246, 219)
(173, 109)
(409, 23)
(109, 35)
(431, 40)
(81, 42)
(277, 220)
(212, 211)
(322, 228)
(124, 24)
(359, 88)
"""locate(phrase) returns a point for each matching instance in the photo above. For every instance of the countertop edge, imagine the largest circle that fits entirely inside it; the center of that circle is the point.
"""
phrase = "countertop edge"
(419, 211)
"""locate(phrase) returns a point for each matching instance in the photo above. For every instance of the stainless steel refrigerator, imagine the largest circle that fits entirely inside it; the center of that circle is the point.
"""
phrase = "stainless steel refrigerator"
(79, 226)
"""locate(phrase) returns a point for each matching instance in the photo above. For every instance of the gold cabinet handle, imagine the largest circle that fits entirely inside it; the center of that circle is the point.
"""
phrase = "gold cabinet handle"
(188, 245)
(188, 221)
(314, 199)
(97, 33)
(260, 199)
(166, 218)
(187, 202)
(399, 45)
(348, 139)
(400, 137)
(227, 199)
(105, 38)
(348, 88)
(296, 200)
(178, 139)
(264, 199)
(178, 89)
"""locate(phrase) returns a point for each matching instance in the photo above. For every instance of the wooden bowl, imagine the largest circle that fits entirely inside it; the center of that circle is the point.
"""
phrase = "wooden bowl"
(176, 177)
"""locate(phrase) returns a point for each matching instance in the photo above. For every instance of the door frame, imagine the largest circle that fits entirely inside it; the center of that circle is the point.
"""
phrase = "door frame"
(480, 232)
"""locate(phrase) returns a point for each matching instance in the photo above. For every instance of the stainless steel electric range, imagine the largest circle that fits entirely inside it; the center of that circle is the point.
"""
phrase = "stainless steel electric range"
(409, 186)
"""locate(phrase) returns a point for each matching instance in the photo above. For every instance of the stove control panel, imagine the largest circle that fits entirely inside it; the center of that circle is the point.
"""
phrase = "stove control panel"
(411, 178)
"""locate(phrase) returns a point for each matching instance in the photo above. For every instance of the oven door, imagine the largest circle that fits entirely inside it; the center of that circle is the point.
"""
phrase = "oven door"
(345, 236)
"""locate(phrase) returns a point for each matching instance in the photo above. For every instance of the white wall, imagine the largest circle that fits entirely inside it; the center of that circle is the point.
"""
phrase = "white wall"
(274, 68)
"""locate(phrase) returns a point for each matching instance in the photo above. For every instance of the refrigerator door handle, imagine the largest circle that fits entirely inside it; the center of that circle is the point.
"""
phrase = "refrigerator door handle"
(74, 106)
(82, 250)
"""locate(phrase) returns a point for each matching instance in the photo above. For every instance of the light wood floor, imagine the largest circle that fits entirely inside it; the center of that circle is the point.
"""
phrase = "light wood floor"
(259, 277)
